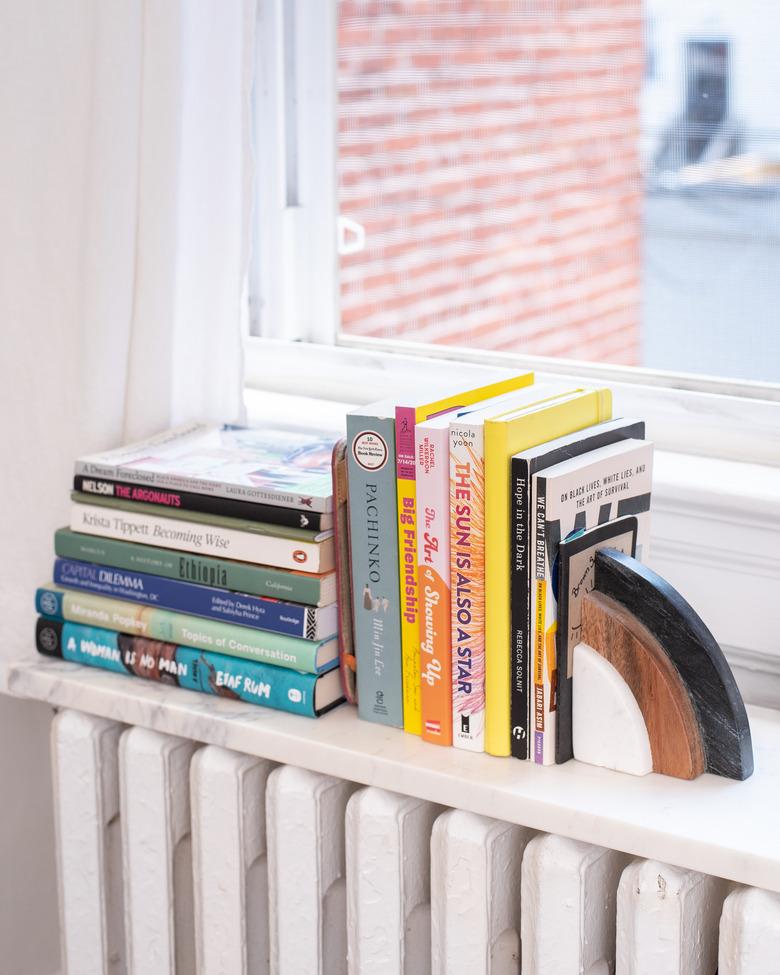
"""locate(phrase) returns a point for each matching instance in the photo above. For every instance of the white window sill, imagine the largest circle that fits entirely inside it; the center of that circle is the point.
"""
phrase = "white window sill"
(699, 825)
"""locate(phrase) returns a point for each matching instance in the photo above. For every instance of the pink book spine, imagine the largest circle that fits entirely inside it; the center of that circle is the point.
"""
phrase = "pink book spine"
(433, 561)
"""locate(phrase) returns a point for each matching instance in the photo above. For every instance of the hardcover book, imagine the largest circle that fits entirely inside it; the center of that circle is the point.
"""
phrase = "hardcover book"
(190, 631)
(576, 494)
(297, 587)
(198, 670)
(576, 570)
(407, 416)
(260, 612)
(506, 435)
(524, 466)
(208, 504)
(269, 465)
(247, 543)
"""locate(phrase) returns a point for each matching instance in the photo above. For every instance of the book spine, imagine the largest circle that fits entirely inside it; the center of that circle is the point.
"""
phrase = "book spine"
(204, 503)
(433, 489)
(190, 631)
(194, 600)
(406, 490)
(520, 590)
(539, 616)
(167, 663)
(190, 536)
(373, 531)
(234, 576)
(467, 582)
(217, 489)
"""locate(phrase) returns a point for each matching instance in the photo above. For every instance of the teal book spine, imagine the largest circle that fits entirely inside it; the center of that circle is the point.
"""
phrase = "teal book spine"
(373, 526)
(190, 631)
(258, 580)
(197, 670)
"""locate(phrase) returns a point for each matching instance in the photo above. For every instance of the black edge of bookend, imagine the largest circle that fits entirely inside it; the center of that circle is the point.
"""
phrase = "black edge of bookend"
(695, 654)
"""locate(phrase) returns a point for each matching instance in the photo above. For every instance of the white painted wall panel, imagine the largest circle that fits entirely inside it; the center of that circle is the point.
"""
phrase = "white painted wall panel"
(306, 872)
(86, 810)
(750, 933)
(154, 780)
(388, 839)
(569, 893)
(475, 895)
(667, 920)
(230, 862)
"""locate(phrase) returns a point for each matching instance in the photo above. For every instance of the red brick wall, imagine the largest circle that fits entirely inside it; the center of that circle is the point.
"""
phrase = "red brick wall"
(490, 149)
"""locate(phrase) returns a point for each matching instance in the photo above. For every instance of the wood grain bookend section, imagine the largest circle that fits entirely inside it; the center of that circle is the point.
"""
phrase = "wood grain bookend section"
(672, 727)
(652, 604)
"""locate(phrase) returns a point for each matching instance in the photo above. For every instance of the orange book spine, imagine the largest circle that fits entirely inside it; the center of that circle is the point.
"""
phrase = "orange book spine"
(433, 548)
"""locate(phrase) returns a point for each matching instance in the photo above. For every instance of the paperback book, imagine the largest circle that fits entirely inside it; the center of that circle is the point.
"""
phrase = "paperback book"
(298, 587)
(467, 558)
(268, 465)
(524, 466)
(209, 504)
(373, 532)
(407, 415)
(607, 483)
(261, 612)
(190, 631)
(247, 542)
(210, 673)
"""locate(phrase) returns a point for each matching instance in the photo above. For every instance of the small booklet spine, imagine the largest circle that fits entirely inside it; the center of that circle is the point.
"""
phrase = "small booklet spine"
(538, 617)
(206, 503)
(186, 597)
(167, 663)
(222, 574)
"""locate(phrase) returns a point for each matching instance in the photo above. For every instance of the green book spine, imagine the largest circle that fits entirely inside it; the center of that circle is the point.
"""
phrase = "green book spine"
(209, 571)
(189, 631)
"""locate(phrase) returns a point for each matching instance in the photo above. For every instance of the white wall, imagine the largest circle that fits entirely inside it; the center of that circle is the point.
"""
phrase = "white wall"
(44, 117)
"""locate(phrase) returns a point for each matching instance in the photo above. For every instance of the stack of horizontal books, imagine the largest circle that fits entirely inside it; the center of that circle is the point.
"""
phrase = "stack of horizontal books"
(474, 515)
(203, 557)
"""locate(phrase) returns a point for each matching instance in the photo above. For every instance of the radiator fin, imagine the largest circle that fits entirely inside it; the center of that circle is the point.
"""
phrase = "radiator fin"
(86, 808)
(230, 862)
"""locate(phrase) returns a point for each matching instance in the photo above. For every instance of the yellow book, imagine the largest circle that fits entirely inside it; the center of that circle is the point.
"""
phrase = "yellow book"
(406, 418)
(506, 435)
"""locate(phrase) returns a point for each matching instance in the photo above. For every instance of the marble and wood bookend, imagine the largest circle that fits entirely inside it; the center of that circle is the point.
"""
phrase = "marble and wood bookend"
(652, 690)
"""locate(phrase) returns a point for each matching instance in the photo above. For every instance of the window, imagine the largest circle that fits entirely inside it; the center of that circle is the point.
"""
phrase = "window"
(572, 179)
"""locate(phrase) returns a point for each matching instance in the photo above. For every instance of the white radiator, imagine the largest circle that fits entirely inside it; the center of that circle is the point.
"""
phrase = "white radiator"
(175, 858)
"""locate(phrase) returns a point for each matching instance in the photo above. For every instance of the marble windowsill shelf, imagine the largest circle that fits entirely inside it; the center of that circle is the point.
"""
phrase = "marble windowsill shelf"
(713, 825)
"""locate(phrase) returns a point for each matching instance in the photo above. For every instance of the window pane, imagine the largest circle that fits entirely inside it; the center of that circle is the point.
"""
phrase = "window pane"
(595, 179)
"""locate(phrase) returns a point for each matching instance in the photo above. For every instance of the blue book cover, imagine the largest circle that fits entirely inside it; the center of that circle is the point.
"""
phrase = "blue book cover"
(198, 670)
(262, 613)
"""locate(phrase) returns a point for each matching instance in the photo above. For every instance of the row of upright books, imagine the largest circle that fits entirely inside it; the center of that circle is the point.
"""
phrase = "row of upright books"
(474, 518)
(204, 558)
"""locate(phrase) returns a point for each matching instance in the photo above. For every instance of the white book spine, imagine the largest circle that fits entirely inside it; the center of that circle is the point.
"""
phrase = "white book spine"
(467, 584)
(202, 539)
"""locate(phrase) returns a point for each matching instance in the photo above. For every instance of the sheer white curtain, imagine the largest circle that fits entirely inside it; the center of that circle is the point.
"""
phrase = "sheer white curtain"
(125, 196)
